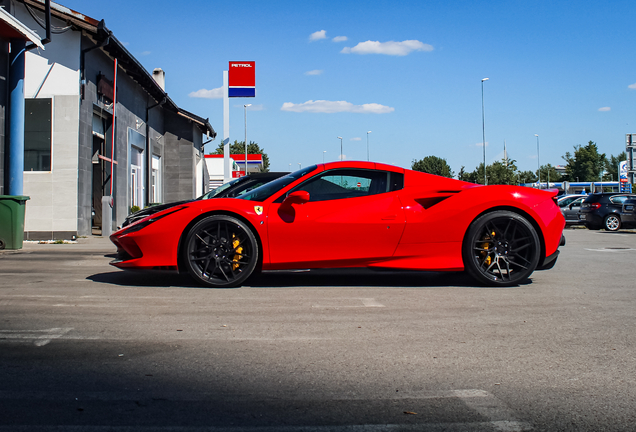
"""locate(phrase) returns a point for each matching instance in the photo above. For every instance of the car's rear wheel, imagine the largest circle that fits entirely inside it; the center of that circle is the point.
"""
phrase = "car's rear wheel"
(221, 251)
(612, 222)
(501, 248)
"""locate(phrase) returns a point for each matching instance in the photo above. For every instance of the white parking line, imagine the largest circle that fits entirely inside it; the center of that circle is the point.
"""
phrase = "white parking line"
(614, 250)
(492, 408)
(341, 303)
(38, 337)
(500, 417)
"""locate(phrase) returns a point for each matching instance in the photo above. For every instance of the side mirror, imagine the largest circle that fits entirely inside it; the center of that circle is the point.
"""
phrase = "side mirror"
(297, 197)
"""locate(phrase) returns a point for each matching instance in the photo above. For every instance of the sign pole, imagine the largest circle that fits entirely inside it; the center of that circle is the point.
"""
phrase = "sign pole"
(227, 170)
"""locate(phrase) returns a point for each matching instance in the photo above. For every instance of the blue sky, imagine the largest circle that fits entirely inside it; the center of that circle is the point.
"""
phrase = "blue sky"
(409, 71)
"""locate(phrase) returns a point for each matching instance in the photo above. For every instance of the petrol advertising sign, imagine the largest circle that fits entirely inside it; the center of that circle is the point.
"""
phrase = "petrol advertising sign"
(623, 177)
(622, 171)
(242, 79)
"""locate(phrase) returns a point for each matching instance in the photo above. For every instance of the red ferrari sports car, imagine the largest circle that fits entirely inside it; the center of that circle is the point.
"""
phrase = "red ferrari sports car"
(352, 214)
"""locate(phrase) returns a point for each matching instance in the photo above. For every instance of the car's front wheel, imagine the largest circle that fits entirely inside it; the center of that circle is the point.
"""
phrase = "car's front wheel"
(221, 251)
(501, 248)
(612, 222)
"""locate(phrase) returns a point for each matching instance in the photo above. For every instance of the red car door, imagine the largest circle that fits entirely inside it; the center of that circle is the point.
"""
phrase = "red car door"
(338, 230)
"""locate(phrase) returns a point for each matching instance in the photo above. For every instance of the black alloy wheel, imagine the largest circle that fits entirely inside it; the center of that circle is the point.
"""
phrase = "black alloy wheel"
(501, 249)
(612, 222)
(221, 251)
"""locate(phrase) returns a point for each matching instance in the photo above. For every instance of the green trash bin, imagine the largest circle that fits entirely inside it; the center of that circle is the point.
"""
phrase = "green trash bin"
(12, 221)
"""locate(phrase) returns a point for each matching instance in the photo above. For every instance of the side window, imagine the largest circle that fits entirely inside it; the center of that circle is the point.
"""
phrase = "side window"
(618, 199)
(249, 188)
(350, 183)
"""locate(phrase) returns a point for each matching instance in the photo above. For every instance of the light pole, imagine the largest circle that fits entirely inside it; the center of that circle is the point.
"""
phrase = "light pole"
(483, 127)
(245, 110)
(368, 132)
(299, 166)
(340, 138)
(538, 163)
(323, 155)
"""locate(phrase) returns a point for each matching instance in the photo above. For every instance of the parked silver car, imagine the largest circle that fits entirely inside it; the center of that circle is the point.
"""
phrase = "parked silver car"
(570, 206)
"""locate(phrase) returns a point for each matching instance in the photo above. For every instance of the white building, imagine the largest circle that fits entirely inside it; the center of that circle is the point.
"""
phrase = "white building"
(69, 93)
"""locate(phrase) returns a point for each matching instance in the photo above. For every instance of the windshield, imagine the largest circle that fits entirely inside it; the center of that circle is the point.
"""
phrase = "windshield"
(269, 189)
(220, 189)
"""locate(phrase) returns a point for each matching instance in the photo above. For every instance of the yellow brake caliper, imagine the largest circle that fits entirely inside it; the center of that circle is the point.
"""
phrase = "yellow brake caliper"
(239, 251)
(488, 259)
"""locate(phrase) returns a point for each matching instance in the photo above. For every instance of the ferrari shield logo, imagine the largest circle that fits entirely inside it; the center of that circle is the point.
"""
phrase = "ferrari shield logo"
(258, 210)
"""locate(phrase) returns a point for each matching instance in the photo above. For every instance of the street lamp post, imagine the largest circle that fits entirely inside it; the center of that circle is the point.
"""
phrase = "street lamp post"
(323, 155)
(538, 163)
(368, 132)
(245, 110)
(483, 127)
(340, 138)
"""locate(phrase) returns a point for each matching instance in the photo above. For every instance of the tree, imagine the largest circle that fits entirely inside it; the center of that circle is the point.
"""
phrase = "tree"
(527, 177)
(500, 172)
(238, 147)
(433, 165)
(586, 164)
(554, 174)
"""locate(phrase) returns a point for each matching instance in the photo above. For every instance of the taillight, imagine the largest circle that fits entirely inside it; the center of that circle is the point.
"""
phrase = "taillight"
(595, 206)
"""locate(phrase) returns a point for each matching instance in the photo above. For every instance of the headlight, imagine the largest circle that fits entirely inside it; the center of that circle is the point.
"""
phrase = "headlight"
(143, 223)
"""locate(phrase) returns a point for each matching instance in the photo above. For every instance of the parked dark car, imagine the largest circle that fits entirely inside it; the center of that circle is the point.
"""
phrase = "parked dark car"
(230, 189)
(605, 210)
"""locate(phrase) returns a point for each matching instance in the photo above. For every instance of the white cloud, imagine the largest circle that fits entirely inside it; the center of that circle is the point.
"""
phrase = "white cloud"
(145, 53)
(356, 139)
(323, 106)
(605, 109)
(322, 34)
(314, 72)
(340, 39)
(216, 93)
(632, 86)
(389, 48)
(481, 145)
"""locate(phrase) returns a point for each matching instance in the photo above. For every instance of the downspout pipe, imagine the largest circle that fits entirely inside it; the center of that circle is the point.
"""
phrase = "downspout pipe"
(16, 118)
(83, 53)
(149, 149)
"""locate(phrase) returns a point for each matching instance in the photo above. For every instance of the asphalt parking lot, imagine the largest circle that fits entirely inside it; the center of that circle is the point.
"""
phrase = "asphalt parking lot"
(87, 347)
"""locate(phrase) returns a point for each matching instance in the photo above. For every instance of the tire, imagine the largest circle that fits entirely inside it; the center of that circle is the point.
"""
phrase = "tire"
(612, 222)
(221, 251)
(501, 249)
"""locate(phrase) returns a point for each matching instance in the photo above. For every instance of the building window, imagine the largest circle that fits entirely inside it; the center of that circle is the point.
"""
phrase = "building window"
(156, 179)
(37, 134)
(137, 145)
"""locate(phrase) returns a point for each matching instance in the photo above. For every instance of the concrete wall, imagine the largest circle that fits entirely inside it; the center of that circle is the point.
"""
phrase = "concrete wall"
(54, 70)
(54, 73)
(52, 210)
